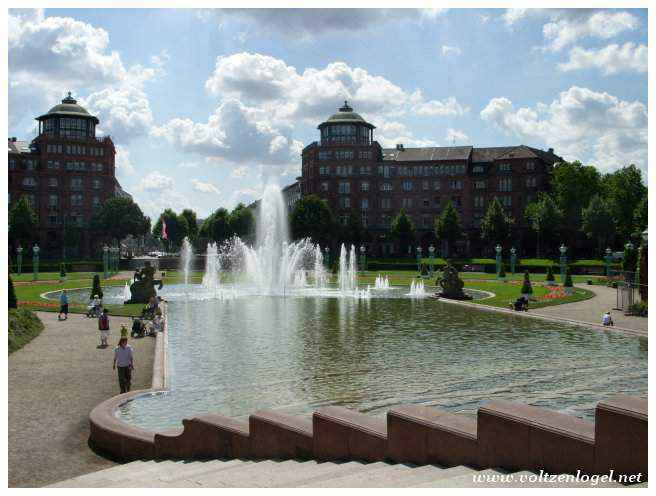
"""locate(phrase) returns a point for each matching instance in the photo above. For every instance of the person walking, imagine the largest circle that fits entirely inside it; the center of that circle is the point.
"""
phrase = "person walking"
(124, 361)
(103, 326)
(63, 305)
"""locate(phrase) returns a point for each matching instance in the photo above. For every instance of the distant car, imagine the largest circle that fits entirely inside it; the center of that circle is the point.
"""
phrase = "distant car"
(467, 268)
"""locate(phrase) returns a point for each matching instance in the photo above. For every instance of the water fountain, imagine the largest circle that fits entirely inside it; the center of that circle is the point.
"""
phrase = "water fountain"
(186, 255)
(212, 267)
(127, 294)
(417, 289)
(382, 283)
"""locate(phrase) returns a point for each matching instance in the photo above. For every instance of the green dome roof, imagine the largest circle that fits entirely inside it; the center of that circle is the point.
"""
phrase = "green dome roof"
(68, 107)
(345, 115)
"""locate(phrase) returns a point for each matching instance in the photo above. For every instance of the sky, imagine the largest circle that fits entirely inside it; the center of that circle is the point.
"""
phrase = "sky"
(207, 106)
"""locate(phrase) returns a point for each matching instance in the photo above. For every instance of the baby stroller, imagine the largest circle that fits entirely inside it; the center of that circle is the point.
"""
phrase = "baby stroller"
(521, 304)
(94, 310)
(138, 328)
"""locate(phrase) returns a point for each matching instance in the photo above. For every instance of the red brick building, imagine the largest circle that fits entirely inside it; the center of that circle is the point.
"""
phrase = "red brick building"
(352, 171)
(66, 173)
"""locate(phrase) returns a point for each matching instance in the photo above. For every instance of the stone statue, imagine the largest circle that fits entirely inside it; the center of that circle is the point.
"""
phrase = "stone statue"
(452, 285)
(143, 287)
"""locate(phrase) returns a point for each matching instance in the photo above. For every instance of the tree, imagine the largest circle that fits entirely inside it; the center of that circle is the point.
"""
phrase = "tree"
(118, 217)
(545, 218)
(216, 227)
(353, 232)
(22, 222)
(176, 227)
(550, 275)
(242, 222)
(96, 289)
(312, 218)
(192, 224)
(447, 227)
(624, 191)
(72, 235)
(597, 222)
(12, 295)
(496, 225)
(573, 186)
(640, 215)
(403, 230)
(568, 279)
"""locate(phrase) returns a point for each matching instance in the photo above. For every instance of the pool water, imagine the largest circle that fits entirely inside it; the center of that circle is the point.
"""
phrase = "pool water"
(238, 355)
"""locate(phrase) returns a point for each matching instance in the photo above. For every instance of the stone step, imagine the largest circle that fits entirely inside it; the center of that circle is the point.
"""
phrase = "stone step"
(461, 480)
(362, 478)
(258, 474)
(195, 469)
(313, 472)
(109, 473)
(426, 473)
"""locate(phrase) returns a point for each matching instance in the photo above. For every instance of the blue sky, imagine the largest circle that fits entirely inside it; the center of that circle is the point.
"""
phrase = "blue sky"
(206, 106)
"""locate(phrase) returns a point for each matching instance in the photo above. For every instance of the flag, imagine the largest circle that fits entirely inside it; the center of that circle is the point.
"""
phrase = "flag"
(165, 234)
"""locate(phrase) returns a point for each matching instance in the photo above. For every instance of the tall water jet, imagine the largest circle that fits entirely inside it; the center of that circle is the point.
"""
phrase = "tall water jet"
(127, 294)
(417, 289)
(382, 283)
(347, 270)
(212, 266)
(186, 255)
(320, 275)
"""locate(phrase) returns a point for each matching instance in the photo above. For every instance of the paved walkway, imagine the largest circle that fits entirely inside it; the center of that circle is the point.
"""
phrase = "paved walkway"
(54, 383)
(590, 311)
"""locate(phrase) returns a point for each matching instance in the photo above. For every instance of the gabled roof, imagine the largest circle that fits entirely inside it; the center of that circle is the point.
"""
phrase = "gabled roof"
(427, 154)
(490, 154)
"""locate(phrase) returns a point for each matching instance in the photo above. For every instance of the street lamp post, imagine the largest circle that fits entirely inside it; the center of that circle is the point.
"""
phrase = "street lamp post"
(363, 258)
(35, 261)
(498, 249)
(419, 260)
(431, 259)
(563, 262)
(513, 260)
(106, 261)
(327, 257)
(609, 260)
(19, 259)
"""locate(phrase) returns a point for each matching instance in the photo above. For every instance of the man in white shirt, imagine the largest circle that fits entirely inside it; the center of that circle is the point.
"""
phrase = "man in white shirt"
(607, 320)
(124, 360)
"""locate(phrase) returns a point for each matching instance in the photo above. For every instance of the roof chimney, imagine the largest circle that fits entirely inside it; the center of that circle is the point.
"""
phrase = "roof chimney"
(399, 147)
(13, 139)
(550, 150)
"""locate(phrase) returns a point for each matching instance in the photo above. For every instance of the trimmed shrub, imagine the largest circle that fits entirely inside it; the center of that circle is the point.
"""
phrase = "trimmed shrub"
(526, 286)
(62, 270)
(23, 327)
(502, 270)
(96, 289)
(13, 303)
(550, 275)
(568, 279)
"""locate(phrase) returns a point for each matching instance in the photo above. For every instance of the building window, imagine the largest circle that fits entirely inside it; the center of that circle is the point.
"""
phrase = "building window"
(478, 169)
(344, 202)
(364, 154)
(29, 182)
(479, 201)
(387, 220)
(325, 154)
(364, 186)
(344, 154)
(324, 186)
(386, 187)
(76, 200)
(96, 201)
(425, 221)
(364, 204)
(407, 202)
(407, 185)
(504, 167)
(53, 182)
(96, 183)
(76, 183)
(386, 203)
(506, 201)
(531, 182)
(384, 170)
(457, 201)
(505, 184)
(53, 164)
(12, 164)
(436, 202)
(364, 219)
(53, 219)
(455, 184)
(324, 170)
(426, 202)
(365, 170)
(479, 184)
(530, 165)
(53, 200)
(344, 188)
(425, 185)
(31, 199)
(436, 185)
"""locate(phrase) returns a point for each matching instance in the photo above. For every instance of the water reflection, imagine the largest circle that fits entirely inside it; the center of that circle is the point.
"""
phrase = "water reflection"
(239, 355)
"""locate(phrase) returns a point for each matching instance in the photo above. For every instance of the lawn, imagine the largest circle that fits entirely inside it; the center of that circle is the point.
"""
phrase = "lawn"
(24, 326)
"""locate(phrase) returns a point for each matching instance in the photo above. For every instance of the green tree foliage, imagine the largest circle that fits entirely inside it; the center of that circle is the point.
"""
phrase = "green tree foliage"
(545, 219)
(353, 232)
(242, 222)
(496, 225)
(312, 218)
(447, 226)
(192, 224)
(526, 285)
(403, 230)
(96, 288)
(13, 303)
(573, 186)
(216, 227)
(119, 217)
(630, 259)
(624, 190)
(641, 214)
(597, 222)
(22, 222)
(176, 227)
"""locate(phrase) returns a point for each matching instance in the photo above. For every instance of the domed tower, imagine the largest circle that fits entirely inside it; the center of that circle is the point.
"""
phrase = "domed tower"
(346, 127)
(68, 120)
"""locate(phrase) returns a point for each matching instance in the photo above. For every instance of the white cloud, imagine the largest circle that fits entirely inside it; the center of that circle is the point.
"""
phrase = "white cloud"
(511, 16)
(579, 124)
(188, 165)
(611, 59)
(241, 171)
(391, 133)
(155, 181)
(456, 136)
(450, 50)
(204, 187)
(122, 161)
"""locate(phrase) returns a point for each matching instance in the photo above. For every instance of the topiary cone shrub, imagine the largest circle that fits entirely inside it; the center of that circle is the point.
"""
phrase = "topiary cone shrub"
(568, 279)
(527, 289)
(12, 295)
(550, 275)
(62, 272)
(96, 289)
(502, 270)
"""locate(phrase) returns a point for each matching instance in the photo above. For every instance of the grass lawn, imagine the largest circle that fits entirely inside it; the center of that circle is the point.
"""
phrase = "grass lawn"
(24, 326)
(53, 276)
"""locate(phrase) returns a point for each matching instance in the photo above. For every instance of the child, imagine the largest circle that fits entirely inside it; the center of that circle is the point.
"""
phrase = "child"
(63, 305)
(103, 326)
(124, 331)
(607, 320)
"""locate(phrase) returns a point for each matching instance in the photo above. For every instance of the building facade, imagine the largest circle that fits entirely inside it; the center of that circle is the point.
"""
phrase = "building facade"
(350, 170)
(66, 173)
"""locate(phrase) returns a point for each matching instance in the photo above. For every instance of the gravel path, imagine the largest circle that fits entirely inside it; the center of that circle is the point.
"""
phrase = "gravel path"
(54, 383)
